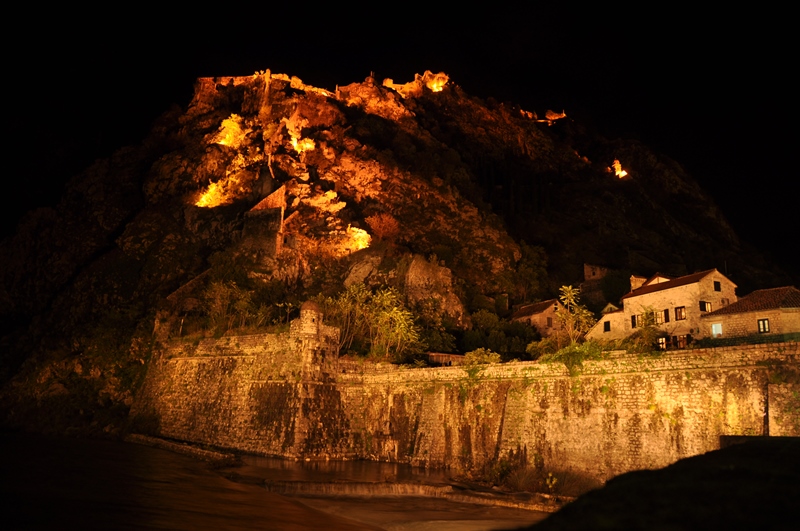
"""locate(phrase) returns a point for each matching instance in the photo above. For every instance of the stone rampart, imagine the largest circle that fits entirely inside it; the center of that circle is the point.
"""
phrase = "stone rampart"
(281, 395)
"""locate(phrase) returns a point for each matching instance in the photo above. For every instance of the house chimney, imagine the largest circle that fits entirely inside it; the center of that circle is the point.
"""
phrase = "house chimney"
(636, 282)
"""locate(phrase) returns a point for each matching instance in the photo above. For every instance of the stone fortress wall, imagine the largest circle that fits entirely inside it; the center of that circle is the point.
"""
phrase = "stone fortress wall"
(289, 395)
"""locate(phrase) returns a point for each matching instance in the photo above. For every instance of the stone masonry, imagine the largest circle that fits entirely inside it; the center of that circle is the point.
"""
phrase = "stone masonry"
(289, 395)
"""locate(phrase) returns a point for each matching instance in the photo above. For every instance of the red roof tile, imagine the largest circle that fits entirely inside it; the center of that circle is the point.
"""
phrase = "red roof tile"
(763, 299)
(532, 309)
(674, 283)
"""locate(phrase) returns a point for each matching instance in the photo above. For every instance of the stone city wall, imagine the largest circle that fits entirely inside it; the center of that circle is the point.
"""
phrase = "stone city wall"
(281, 395)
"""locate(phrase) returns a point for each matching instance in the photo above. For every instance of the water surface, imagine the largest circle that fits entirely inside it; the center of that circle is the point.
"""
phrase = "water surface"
(52, 483)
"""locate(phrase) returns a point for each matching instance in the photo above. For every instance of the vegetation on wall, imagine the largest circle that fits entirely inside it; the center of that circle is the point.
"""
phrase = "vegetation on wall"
(372, 323)
(566, 345)
(575, 318)
(505, 337)
(645, 339)
(434, 326)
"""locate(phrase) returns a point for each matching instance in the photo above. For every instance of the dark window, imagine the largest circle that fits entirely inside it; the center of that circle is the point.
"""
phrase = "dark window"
(717, 286)
(666, 315)
(680, 313)
(549, 322)
(633, 321)
(763, 326)
(607, 326)
(705, 306)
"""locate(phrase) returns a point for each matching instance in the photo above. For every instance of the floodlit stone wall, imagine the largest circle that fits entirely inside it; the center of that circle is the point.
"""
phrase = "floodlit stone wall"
(288, 396)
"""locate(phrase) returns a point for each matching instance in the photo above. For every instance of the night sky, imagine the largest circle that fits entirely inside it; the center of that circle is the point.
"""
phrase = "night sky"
(711, 92)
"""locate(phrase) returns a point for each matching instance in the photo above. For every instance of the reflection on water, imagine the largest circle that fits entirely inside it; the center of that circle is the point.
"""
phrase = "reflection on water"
(86, 484)
(48, 483)
(275, 469)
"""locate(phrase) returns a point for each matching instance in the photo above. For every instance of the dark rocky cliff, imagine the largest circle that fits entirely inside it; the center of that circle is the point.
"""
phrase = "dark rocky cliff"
(422, 172)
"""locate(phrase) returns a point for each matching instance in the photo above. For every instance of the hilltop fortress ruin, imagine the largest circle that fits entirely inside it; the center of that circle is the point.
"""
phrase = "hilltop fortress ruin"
(291, 395)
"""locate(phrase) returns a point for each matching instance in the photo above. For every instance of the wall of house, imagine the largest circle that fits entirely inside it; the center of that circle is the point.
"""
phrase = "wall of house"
(783, 321)
(619, 323)
(688, 296)
(545, 321)
(288, 396)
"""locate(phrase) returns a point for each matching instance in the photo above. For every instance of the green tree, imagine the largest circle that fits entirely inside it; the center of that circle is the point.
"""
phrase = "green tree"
(433, 331)
(531, 274)
(485, 320)
(218, 299)
(348, 311)
(377, 323)
(645, 338)
(393, 332)
(575, 318)
(228, 306)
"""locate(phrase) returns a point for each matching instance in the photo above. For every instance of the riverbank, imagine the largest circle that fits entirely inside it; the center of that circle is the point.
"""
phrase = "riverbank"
(98, 484)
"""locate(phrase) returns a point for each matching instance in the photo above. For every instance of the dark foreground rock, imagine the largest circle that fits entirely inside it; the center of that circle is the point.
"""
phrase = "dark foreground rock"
(754, 485)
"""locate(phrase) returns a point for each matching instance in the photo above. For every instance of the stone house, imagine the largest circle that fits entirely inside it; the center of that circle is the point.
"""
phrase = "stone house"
(610, 327)
(541, 315)
(674, 305)
(772, 311)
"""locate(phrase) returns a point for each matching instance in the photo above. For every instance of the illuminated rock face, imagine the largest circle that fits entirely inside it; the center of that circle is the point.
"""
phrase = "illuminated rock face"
(457, 174)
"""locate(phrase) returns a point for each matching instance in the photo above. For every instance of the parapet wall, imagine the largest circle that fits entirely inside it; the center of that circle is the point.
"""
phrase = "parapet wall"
(280, 395)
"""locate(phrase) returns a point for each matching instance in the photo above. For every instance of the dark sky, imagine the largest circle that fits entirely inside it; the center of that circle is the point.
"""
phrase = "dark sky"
(712, 92)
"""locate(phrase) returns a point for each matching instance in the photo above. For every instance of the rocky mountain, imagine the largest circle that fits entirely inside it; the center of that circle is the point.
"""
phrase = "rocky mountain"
(286, 192)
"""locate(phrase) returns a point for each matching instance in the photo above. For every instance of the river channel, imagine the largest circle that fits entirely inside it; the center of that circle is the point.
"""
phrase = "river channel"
(60, 483)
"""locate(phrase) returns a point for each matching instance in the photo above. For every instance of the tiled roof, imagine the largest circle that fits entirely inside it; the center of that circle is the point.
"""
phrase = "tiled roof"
(674, 283)
(763, 299)
(655, 276)
(532, 309)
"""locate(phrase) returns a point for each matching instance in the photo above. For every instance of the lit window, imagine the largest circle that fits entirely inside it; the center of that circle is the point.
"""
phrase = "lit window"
(763, 326)
(662, 343)
(680, 341)
(680, 313)
(658, 317)
(607, 326)
(717, 286)
(705, 306)
(716, 330)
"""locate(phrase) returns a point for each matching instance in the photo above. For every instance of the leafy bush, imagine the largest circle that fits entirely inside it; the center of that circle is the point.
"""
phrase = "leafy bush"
(574, 355)
(434, 328)
(645, 339)
(537, 349)
(481, 356)
(504, 337)
(383, 226)
(375, 324)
